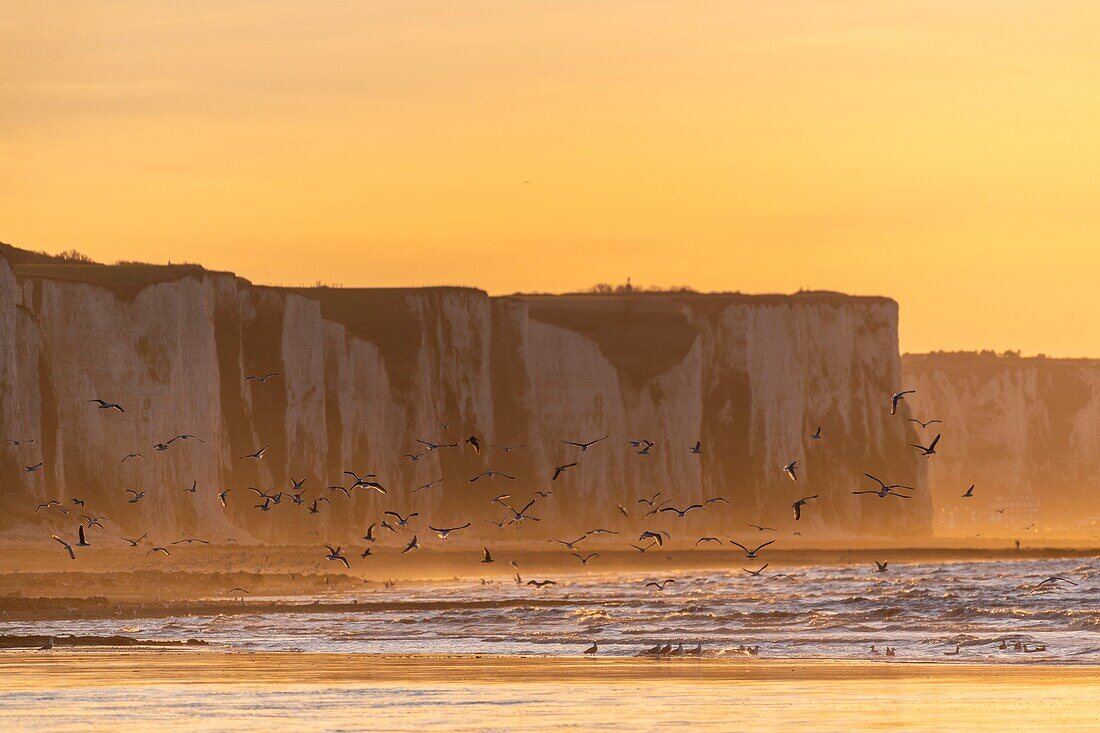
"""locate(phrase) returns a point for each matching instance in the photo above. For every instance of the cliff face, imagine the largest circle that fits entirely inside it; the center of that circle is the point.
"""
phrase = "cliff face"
(1025, 431)
(361, 373)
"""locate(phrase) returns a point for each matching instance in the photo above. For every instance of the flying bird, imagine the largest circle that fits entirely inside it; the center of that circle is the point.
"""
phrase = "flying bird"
(17, 442)
(136, 496)
(104, 405)
(161, 550)
(261, 378)
(222, 495)
(134, 543)
(508, 448)
(930, 449)
(816, 435)
(435, 446)
(491, 474)
(924, 424)
(898, 397)
(660, 585)
(66, 545)
(128, 456)
(445, 532)
(335, 554)
(751, 554)
(791, 469)
(585, 446)
(82, 541)
(697, 448)
(969, 493)
(558, 470)
(797, 506)
(585, 558)
(474, 443)
(708, 539)
(486, 558)
(32, 469)
(758, 528)
(540, 584)
(257, 455)
(413, 545)
(681, 513)
(401, 521)
(756, 573)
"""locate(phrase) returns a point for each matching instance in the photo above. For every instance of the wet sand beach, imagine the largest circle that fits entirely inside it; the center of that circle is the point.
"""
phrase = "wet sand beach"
(211, 690)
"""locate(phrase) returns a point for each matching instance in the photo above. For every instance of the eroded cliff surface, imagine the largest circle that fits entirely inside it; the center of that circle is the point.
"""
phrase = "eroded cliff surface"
(362, 373)
(1024, 431)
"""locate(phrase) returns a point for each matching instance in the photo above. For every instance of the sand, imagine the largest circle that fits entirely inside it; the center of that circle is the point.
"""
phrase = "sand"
(214, 690)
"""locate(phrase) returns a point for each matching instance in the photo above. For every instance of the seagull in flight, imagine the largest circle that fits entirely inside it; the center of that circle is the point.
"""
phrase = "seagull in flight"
(413, 545)
(569, 544)
(401, 521)
(486, 558)
(194, 488)
(660, 585)
(651, 501)
(881, 567)
(679, 512)
(128, 456)
(135, 543)
(1053, 580)
(697, 448)
(797, 506)
(658, 537)
(104, 405)
(924, 424)
(161, 550)
(558, 470)
(435, 446)
(816, 435)
(751, 554)
(586, 446)
(519, 516)
(445, 532)
(491, 474)
(756, 573)
(969, 493)
(758, 528)
(898, 397)
(136, 496)
(412, 456)
(190, 541)
(474, 443)
(791, 469)
(930, 449)
(34, 468)
(186, 436)
(540, 584)
(428, 485)
(362, 482)
(17, 442)
(66, 545)
(222, 495)
(335, 554)
(585, 558)
(508, 448)
(257, 455)
(707, 539)
(261, 378)
(94, 521)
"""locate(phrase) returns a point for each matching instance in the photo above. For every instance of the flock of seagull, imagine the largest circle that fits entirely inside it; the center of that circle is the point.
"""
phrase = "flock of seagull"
(394, 522)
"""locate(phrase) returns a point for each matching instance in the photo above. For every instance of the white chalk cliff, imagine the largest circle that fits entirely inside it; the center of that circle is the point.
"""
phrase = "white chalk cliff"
(363, 372)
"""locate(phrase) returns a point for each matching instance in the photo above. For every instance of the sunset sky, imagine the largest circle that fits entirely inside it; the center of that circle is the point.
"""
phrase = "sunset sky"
(943, 153)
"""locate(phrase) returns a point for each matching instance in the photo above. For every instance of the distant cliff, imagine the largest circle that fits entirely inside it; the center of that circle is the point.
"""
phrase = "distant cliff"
(1026, 431)
(363, 372)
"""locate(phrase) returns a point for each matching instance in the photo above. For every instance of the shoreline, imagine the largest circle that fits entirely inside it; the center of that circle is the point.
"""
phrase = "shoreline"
(33, 669)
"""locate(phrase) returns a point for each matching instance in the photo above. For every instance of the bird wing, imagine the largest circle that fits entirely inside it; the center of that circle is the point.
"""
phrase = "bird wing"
(66, 545)
(762, 546)
(934, 441)
(740, 545)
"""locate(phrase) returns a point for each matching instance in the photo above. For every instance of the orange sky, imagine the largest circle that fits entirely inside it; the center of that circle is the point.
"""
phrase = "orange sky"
(944, 153)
